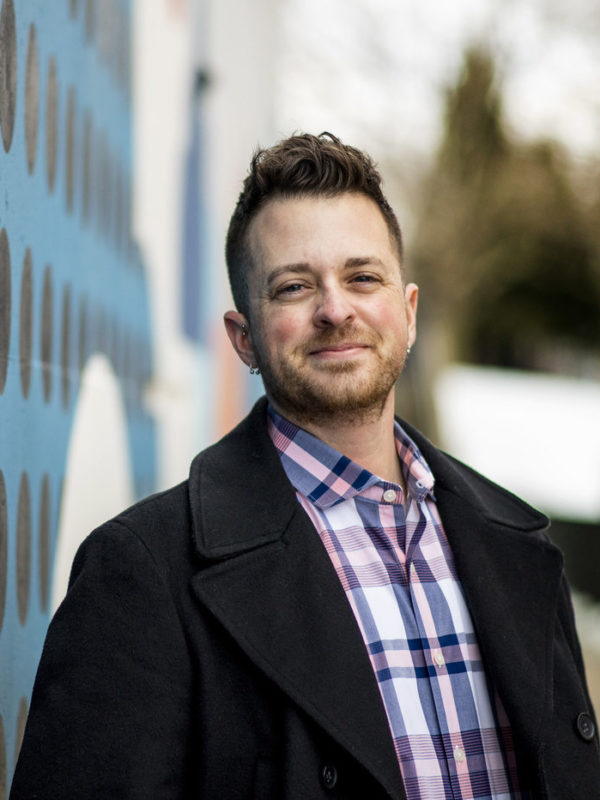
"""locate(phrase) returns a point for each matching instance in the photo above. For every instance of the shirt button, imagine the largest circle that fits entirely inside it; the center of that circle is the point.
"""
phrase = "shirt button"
(329, 776)
(459, 754)
(389, 495)
(413, 571)
(438, 658)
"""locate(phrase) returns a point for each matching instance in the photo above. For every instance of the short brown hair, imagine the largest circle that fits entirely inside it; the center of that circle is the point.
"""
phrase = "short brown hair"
(303, 165)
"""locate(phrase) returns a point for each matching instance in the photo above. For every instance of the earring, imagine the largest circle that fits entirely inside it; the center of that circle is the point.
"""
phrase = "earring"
(408, 351)
(254, 371)
(244, 330)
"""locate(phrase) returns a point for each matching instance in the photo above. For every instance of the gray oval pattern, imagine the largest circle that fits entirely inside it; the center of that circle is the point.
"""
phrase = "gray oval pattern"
(4, 306)
(32, 99)
(44, 543)
(23, 548)
(47, 339)
(82, 335)
(3, 782)
(65, 346)
(86, 172)
(8, 72)
(51, 123)
(70, 150)
(90, 20)
(3, 547)
(26, 324)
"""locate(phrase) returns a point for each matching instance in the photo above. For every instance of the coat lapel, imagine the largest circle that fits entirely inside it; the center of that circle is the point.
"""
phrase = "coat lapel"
(261, 553)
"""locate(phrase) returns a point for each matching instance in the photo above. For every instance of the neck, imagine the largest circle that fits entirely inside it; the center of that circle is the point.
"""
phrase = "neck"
(365, 437)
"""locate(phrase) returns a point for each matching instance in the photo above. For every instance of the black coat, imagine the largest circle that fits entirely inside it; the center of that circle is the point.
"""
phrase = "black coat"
(206, 649)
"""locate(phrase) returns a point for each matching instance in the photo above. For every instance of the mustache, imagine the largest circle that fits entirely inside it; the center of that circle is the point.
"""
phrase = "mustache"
(337, 336)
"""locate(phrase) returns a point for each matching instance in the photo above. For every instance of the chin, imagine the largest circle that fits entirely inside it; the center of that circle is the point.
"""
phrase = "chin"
(332, 389)
(322, 399)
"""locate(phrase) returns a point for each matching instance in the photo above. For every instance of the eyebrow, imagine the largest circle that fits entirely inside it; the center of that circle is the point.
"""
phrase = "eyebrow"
(303, 267)
(363, 261)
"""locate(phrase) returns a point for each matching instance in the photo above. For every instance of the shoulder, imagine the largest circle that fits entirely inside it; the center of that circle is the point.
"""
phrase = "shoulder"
(153, 536)
(160, 512)
(169, 527)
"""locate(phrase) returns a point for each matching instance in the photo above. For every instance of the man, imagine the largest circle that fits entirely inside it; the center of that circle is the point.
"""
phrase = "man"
(329, 606)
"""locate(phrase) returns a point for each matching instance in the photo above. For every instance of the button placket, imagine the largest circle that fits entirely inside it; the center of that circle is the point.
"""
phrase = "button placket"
(459, 754)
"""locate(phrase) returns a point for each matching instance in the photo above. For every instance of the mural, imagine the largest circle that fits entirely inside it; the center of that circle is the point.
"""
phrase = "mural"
(73, 290)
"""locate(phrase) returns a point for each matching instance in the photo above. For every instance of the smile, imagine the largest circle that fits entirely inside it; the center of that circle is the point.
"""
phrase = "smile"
(339, 350)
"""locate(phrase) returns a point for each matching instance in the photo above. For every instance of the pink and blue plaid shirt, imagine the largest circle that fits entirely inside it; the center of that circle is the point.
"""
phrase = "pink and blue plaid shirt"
(450, 731)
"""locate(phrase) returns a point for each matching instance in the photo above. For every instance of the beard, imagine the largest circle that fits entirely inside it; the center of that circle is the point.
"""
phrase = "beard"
(344, 390)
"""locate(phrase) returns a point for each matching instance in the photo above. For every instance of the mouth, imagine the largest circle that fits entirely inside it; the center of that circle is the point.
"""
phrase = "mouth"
(342, 350)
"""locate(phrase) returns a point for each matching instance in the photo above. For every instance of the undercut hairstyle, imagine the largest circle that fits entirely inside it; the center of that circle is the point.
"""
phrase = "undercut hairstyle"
(303, 165)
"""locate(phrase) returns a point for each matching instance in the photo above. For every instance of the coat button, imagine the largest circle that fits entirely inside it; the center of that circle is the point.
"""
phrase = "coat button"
(586, 727)
(329, 776)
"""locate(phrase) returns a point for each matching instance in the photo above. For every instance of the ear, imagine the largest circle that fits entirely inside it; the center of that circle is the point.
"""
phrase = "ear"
(238, 331)
(411, 298)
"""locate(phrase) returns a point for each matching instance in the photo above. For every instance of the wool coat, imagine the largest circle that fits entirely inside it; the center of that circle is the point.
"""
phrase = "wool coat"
(206, 649)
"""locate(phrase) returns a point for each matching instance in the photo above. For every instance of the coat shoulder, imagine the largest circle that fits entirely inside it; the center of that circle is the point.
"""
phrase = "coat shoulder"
(159, 525)
(169, 508)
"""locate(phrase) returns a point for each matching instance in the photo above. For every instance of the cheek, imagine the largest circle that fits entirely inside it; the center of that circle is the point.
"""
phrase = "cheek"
(283, 331)
(386, 316)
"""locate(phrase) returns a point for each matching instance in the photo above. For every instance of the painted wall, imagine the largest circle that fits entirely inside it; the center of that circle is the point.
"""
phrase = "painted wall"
(120, 164)
(75, 331)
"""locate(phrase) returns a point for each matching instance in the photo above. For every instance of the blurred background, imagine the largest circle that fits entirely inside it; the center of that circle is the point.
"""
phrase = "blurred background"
(127, 127)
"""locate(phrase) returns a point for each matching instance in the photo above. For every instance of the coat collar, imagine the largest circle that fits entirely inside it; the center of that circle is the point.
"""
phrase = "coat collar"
(260, 551)
(244, 465)
(240, 472)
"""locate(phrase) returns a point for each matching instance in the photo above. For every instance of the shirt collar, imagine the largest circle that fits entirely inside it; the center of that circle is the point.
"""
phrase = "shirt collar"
(326, 477)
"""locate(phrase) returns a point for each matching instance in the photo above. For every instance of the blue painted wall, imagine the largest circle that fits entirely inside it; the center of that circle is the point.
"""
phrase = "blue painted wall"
(71, 284)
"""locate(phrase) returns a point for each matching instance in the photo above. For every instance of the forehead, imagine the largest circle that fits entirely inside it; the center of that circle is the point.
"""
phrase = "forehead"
(319, 231)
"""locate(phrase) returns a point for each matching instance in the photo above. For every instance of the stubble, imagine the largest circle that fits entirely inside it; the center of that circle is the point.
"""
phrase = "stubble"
(346, 391)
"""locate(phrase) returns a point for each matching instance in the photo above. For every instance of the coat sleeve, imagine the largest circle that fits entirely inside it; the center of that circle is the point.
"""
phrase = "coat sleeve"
(110, 710)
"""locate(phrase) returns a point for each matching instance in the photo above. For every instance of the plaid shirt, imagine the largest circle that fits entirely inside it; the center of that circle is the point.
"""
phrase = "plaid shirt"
(450, 731)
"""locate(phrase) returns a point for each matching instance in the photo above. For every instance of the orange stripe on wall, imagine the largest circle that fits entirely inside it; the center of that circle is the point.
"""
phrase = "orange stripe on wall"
(231, 389)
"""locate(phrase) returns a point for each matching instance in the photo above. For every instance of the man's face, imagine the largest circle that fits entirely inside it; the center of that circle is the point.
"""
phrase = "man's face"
(330, 320)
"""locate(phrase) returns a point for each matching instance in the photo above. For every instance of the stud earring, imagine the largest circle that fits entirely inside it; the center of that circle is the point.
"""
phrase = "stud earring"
(408, 351)
(254, 371)
(244, 330)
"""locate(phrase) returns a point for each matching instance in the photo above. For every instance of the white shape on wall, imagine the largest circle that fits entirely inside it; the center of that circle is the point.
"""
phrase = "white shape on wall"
(98, 475)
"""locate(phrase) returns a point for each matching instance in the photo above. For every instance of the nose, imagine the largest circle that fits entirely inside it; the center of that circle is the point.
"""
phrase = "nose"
(333, 308)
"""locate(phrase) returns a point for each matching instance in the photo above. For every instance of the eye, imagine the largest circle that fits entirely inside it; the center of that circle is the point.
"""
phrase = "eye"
(365, 277)
(289, 289)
